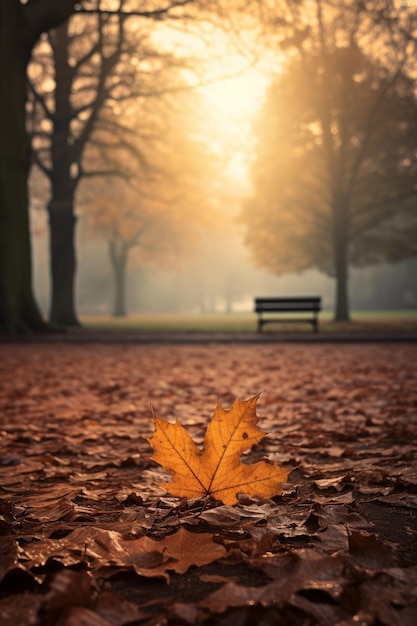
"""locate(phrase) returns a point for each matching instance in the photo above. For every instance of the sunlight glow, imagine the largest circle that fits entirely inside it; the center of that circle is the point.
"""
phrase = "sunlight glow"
(238, 96)
(234, 89)
(234, 103)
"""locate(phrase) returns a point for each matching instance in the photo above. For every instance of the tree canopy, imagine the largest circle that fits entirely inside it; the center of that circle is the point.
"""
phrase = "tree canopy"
(86, 79)
(334, 170)
(22, 24)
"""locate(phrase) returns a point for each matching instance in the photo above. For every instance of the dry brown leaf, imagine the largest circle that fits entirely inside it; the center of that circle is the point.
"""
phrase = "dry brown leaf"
(68, 589)
(291, 573)
(108, 551)
(189, 549)
(216, 470)
(70, 458)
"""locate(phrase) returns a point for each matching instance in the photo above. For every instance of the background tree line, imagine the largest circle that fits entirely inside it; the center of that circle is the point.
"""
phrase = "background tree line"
(22, 26)
(333, 167)
(103, 102)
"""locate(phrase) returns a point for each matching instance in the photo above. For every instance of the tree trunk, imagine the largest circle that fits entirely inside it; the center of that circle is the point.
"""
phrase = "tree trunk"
(62, 262)
(340, 243)
(18, 310)
(62, 219)
(118, 258)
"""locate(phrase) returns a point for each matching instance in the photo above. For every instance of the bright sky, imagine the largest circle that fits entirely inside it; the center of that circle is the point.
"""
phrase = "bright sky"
(233, 102)
(239, 96)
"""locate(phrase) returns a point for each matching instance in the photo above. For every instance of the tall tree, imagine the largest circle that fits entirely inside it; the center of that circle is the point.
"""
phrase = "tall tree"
(133, 226)
(334, 170)
(98, 64)
(158, 217)
(21, 25)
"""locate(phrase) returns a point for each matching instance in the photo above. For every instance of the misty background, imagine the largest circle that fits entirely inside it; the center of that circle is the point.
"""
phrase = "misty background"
(219, 278)
(193, 179)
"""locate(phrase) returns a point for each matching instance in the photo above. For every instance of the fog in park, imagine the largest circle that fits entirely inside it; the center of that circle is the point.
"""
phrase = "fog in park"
(218, 277)
(215, 173)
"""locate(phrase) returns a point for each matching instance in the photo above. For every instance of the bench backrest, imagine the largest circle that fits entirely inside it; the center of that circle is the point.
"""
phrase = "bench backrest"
(288, 304)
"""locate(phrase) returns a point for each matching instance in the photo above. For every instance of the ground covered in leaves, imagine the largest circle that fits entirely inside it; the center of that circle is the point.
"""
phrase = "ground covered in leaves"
(89, 539)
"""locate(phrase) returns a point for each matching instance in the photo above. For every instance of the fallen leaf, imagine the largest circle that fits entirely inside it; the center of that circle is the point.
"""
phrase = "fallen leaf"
(216, 470)
(116, 611)
(338, 483)
(221, 516)
(325, 614)
(192, 549)
(20, 608)
(369, 551)
(67, 589)
(185, 613)
(291, 573)
(216, 578)
(108, 552)
(72, 458)
(179, 552)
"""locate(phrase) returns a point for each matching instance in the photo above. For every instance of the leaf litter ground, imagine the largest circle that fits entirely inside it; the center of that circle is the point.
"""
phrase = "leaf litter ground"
(88, 538)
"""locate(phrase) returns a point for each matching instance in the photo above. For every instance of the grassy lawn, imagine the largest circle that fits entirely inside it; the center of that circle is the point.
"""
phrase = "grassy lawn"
(362, 321)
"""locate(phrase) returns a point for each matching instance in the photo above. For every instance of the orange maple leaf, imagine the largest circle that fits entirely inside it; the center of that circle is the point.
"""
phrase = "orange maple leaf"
(216, 470)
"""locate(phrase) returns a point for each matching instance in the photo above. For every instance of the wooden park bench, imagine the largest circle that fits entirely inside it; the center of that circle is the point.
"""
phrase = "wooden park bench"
(288, 305)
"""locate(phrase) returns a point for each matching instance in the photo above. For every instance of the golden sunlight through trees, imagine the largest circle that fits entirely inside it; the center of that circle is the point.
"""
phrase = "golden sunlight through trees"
(257, 140)
(233, 103)
(232, 83)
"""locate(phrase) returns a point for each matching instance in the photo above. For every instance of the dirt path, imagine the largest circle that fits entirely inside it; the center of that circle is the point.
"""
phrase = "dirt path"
(80, 509)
